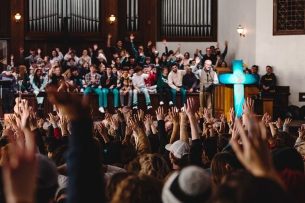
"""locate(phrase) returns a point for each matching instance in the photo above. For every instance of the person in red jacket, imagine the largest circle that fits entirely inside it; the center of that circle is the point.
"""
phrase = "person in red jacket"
(151, 81)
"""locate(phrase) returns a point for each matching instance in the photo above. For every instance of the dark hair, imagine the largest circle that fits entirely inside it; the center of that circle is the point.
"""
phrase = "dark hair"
(58, 155)
(114, 181)
(72, 69)
(269, 67)
(36, 79)
(93, 65)
(125, 68)
(210, 147)
(33, 49)
(219, 164)
(225, 63)
(212, 47)
(255, 66)
(183, 161)
(242, 187)
(147, 58)
(109, 67)
(43, 195)
(174, 64)
(222, 142)
(71, 59)
(137, 69)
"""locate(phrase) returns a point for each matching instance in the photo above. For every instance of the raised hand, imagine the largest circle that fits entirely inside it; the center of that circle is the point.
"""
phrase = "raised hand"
(223, 118)
(301, 131)
(288, 121)
(51, 119)
(189, 107)
(248, 107)
(21, 50)
(12, 56)
(114, 123)
(164, 42)
(109, 36)
(149, 43)
(160, 113)
(226, 43)
(131, 37)
(38, 51)
(256, 154)
(173, 114)
(140, 114)
(95, 47)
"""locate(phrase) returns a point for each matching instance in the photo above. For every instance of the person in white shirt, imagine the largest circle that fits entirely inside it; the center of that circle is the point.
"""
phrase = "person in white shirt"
(207, 79)
(139, 87)
(175, 82)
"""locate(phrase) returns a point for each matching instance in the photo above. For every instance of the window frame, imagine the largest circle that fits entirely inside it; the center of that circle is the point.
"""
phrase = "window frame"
(275, 23)
(212, 38)
(58, 35)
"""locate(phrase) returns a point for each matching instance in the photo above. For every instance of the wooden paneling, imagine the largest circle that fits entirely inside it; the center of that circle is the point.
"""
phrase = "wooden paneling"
(5, 17)
(17, 29)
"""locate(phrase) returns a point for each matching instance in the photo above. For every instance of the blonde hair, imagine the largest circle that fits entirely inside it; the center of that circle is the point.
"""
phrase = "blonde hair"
(154, 165)
(138, 189)
(22, 71)
(301, 148)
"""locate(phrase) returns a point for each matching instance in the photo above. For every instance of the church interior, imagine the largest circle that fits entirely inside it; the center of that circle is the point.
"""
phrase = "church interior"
(155, 101)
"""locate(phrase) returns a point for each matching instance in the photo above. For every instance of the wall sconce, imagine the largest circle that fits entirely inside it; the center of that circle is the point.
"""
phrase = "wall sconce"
(240, 30)
(112, 19)
(17, 17)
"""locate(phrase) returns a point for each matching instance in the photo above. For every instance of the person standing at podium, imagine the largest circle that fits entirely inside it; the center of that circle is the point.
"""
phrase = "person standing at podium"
(207, 79)
(8, 93)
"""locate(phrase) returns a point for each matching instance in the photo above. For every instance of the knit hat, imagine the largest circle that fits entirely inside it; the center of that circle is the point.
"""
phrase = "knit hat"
(102, 56)
(47, 174)
(191, 184)
(178, 148)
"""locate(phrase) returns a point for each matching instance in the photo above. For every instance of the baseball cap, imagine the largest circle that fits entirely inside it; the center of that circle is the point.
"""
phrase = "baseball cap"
(9, 68)
(178, 148)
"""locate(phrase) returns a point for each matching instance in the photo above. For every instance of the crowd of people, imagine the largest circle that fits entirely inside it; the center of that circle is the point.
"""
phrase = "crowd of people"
(125, 75)
(183, 156)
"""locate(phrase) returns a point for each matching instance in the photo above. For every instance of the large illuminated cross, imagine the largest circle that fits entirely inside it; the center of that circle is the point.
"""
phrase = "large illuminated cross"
(238, 79)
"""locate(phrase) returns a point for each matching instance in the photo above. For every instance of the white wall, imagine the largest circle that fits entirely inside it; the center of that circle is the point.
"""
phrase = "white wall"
(259, 46)
(285, 53)
(243, 14)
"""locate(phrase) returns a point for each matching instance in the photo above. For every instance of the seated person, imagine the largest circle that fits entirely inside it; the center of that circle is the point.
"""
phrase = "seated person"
(57, 80)
(39, 83)
(138, 82)
(69, 86)
(175, 82)
(126, 86)
(189, 81)
(93, 81)
(76, 79)
(109, 84)
(162, 84)
(268, 81)
(150, 82)
(254, 71)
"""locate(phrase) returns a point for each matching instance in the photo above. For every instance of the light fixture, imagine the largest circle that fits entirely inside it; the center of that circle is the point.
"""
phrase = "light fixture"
(240, 30)
(17, 17)
(112, 19)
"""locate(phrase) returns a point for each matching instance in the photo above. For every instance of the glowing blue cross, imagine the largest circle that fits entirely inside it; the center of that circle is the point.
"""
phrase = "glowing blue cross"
(238, 79)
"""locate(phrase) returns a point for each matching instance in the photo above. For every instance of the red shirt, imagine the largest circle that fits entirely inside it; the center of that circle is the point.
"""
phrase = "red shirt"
(151, 80)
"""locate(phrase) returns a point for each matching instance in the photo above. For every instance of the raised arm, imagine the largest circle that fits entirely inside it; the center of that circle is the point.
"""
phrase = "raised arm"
(84, 163)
